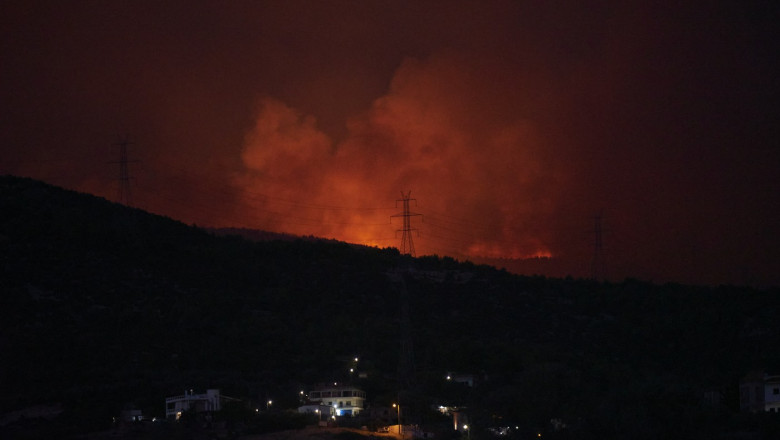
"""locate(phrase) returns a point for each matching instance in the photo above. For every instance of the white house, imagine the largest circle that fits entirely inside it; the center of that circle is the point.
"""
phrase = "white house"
(189, 401)
(346, 400)
(759, 392)
(771, 393)
(323, 411)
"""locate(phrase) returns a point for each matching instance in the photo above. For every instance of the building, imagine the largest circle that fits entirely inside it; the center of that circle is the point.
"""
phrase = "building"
(346, 400)
(200, 403)
(759, 392)
(323, 411)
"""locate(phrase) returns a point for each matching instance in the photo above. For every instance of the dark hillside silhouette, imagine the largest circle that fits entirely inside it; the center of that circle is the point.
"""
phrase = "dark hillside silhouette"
(106, 306)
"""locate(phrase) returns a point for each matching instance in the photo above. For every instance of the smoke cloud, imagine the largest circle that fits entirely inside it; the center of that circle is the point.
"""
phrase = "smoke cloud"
(428, 135)
(513, 124)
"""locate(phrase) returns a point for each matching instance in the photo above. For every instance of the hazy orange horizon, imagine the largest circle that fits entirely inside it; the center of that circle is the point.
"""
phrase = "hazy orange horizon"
(513, 124)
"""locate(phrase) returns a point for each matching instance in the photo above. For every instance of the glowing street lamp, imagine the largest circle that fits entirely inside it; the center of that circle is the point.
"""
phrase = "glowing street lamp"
(268, 405)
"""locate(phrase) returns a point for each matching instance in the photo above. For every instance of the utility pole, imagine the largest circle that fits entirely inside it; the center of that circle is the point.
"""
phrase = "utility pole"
(407, 244)
(406, 379)
(123, 189)
(597, 264)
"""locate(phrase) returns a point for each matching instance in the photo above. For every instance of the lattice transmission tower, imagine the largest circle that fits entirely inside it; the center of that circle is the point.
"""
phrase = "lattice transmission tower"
(123, 194)
(407, 243)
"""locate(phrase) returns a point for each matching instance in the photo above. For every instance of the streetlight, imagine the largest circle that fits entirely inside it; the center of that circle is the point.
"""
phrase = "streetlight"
(319, 414)
(468, 431)
(400, 428)
(268, 405)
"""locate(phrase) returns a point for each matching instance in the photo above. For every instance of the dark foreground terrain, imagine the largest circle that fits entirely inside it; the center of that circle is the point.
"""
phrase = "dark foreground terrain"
(106, 308)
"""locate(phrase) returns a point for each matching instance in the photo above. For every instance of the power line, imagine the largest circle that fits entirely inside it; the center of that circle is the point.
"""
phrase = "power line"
(407, 243)
(123, 188)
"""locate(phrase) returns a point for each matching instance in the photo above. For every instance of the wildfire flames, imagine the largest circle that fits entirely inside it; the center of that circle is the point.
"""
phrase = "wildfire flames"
(423, 136)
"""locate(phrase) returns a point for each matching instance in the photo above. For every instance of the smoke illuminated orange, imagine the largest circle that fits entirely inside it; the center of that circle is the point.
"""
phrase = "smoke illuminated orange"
(420, 136)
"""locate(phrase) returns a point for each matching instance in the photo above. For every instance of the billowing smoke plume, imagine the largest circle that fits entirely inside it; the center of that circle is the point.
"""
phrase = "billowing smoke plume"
(436, 134)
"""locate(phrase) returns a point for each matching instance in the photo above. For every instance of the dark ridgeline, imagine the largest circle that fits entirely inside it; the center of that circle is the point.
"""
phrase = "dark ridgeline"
(106, 306)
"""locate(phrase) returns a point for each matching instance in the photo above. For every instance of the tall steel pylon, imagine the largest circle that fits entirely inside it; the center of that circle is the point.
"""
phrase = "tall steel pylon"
(407, 243)
(123, 194)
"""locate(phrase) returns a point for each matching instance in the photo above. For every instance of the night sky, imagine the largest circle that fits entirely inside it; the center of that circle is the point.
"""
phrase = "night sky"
(513, 124)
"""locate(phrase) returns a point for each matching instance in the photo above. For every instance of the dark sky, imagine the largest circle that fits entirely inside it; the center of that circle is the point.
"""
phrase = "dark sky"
(512, 123)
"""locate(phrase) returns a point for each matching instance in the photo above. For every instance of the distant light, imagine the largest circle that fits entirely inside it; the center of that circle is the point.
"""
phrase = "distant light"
(301, 393)
(356, 359)
(351, 370)
(466, 427)
(448, 377)
(394, 405)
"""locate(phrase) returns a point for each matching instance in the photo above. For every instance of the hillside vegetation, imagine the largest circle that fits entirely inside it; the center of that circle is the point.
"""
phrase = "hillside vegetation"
(105, 306)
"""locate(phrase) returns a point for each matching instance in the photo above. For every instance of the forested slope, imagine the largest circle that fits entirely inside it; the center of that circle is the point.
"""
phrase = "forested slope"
(106, 306)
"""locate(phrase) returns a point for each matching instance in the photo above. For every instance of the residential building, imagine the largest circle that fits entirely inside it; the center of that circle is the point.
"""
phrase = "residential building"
(323, 411)
(346, 400)
(200, 403)
(759, 392)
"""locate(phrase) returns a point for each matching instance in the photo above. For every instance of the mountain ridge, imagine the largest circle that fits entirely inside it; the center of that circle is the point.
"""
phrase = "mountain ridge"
(101, 301)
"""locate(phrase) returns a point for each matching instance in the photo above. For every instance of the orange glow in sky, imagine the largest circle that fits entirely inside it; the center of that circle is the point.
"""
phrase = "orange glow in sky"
(512, 123)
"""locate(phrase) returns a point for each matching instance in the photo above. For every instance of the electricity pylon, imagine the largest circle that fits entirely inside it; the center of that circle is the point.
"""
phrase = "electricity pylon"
(407, 243)
(123, 195)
